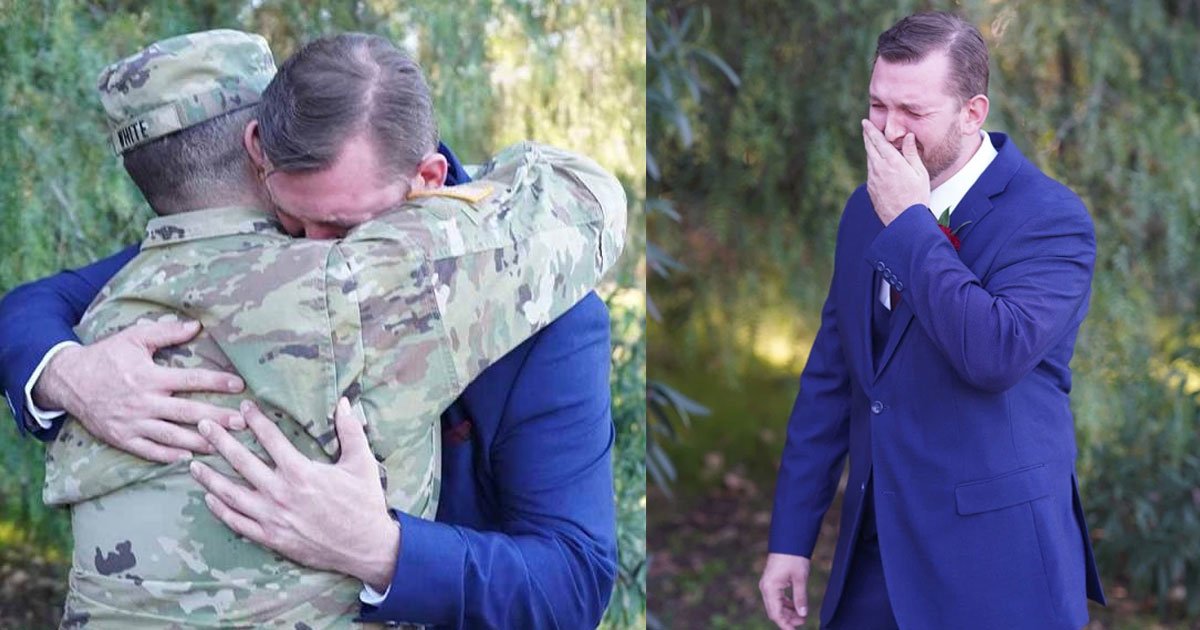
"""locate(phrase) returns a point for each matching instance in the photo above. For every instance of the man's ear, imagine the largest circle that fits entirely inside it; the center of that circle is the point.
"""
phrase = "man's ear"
(975, 112)
(253, 145)
(431, 172)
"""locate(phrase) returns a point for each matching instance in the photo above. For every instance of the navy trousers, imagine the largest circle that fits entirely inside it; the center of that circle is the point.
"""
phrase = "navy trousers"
(864, 604)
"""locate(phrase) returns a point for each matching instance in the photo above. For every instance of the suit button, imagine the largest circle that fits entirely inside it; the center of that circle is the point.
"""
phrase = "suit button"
(899, 286)
(879, 266)
(876, 407)
(863, 488)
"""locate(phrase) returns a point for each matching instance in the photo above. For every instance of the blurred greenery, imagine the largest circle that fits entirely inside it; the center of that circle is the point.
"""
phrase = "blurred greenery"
(628, 308)
(1102, 95)
(569, 74)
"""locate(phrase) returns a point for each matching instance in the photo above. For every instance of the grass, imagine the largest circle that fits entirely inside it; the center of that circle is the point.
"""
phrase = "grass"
(747, 424)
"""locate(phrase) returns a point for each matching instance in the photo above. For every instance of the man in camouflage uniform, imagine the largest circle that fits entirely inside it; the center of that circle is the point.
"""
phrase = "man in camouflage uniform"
(399, 316)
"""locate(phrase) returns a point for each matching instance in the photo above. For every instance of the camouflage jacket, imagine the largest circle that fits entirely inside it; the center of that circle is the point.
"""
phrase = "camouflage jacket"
(399, 316)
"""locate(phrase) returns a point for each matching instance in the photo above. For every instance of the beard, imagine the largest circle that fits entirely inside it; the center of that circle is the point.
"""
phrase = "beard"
(943, 153)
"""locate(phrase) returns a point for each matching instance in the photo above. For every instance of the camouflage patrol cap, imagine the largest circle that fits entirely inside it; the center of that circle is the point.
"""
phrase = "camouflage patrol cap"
(175, 83)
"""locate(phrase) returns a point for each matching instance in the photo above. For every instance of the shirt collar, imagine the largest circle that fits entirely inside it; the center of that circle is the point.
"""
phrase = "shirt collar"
(210, 223)
(952, 191)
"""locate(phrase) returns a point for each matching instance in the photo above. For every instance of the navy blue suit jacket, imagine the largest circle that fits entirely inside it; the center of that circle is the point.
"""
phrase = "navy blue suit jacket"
(525, 535)
(964, 423)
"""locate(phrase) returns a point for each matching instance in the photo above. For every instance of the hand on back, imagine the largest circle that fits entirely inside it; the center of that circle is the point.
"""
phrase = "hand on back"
(114, 388)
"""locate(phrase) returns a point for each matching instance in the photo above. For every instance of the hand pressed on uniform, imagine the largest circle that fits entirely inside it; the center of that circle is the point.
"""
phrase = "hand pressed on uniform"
(299, 507)
(114, 388)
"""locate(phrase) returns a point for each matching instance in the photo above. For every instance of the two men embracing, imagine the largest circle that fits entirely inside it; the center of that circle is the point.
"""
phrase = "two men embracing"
(412, 343)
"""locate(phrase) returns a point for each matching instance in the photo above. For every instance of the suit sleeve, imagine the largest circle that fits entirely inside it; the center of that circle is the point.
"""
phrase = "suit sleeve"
(552, 560)
(994, 331)
(37, 316)
(817, 441)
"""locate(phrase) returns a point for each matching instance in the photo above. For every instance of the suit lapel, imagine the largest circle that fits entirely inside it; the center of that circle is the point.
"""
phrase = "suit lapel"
(867, 277)
(978, 200)
(869, 322)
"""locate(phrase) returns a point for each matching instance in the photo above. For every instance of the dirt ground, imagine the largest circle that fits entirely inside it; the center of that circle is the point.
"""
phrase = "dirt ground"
(706, 556)
(707, 552)
(31, 589)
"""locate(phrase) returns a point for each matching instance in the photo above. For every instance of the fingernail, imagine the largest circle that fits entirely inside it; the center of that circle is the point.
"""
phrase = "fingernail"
(205, 427)
(236, 423)
(245, 406)
(344, 405)
(194, 468)
(234, 385)
(803, 611)
(183, 457)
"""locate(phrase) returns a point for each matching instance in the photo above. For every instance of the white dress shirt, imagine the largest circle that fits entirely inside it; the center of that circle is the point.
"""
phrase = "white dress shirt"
(950, 193)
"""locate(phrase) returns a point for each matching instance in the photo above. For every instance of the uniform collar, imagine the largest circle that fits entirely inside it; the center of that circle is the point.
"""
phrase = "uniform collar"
(210, 223)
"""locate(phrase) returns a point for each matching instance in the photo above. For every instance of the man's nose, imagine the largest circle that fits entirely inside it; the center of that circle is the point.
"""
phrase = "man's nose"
(893, 130)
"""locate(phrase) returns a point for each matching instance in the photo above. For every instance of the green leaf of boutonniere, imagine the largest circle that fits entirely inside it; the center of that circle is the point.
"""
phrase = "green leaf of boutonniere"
(944, 221)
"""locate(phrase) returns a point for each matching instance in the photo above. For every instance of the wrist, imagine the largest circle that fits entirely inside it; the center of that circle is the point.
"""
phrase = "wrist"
(375, 569)
(53, 388)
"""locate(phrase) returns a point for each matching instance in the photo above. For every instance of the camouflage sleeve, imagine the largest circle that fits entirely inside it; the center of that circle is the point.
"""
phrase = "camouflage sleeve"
(503, 256)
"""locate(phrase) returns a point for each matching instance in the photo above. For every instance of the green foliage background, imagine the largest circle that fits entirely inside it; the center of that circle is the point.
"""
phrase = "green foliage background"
(569, 74)
(1103, 95)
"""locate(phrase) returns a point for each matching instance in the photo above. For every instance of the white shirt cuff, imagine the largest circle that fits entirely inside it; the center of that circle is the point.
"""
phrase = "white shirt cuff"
(372, 597)
(43, 417)
(885, 295)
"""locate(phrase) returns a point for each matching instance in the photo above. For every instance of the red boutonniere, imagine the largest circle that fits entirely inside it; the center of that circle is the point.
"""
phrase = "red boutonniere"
(944, 223)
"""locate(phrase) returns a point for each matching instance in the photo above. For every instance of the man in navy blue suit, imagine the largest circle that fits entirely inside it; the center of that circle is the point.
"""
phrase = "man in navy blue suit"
(961, 276)
(525, 529)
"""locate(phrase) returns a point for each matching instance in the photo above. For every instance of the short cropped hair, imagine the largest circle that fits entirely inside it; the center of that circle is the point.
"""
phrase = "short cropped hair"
(183, 170)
